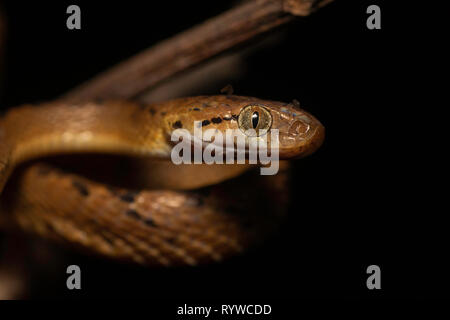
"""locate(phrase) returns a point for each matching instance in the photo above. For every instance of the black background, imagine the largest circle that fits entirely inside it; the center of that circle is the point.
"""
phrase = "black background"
(360, 200)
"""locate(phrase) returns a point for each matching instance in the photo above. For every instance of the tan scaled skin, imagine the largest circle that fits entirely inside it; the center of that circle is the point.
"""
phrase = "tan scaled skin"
(151, 227)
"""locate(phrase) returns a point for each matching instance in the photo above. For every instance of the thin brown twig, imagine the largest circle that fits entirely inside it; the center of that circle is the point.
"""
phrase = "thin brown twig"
(145, 70)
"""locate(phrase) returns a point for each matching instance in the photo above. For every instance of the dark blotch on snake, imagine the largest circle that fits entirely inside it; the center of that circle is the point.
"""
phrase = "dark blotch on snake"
(205, 123)
(150, 222)
(216, 120)
(50, 227)
(128, 197)
(134, 214)
(107, 238)
(177, 124)
(196, 109)
(82, 189)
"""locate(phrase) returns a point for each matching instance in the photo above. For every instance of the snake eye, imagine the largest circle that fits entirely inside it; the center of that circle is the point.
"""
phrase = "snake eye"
(254, 117)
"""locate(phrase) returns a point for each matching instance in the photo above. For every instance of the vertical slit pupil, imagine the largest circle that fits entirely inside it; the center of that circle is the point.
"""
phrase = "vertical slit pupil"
(255, 119)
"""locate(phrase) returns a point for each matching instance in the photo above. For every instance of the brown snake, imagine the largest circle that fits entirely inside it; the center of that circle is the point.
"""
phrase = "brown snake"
(158, 226)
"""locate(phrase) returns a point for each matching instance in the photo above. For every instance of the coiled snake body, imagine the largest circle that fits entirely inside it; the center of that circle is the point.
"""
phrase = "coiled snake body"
(159, 226)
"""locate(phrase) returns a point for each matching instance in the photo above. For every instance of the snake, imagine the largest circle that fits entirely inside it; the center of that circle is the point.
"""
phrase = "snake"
(192, 214)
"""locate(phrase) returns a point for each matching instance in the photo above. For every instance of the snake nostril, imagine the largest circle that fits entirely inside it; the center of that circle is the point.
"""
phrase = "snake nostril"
(298, 127)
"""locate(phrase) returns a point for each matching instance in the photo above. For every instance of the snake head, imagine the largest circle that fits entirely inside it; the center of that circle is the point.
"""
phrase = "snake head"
(254, 120)
(300, 133)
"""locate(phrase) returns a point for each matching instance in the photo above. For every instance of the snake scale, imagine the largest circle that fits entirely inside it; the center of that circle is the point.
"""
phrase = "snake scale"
(171, 224)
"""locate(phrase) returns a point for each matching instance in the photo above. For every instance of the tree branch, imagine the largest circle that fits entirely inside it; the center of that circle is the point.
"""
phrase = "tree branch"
(143, 71)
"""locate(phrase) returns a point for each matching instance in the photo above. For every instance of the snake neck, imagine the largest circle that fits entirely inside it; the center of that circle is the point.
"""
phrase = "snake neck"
(115, 127)
(29, 132)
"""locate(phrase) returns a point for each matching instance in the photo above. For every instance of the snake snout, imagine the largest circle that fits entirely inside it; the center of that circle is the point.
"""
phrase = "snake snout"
(298, 127)
(303, 137)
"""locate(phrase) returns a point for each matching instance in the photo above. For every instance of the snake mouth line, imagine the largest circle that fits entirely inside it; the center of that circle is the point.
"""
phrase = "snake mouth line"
(235, 148)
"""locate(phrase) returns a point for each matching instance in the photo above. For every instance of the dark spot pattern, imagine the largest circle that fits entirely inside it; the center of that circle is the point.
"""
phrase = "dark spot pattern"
(150, 222)
(50, 227)
(227, 118)
(81, 188)
(152, 111)
(216, 120)
(107, 238)
(196, 109)
(205, 123)
(129, 196)
(134, 214)
(177, 124)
